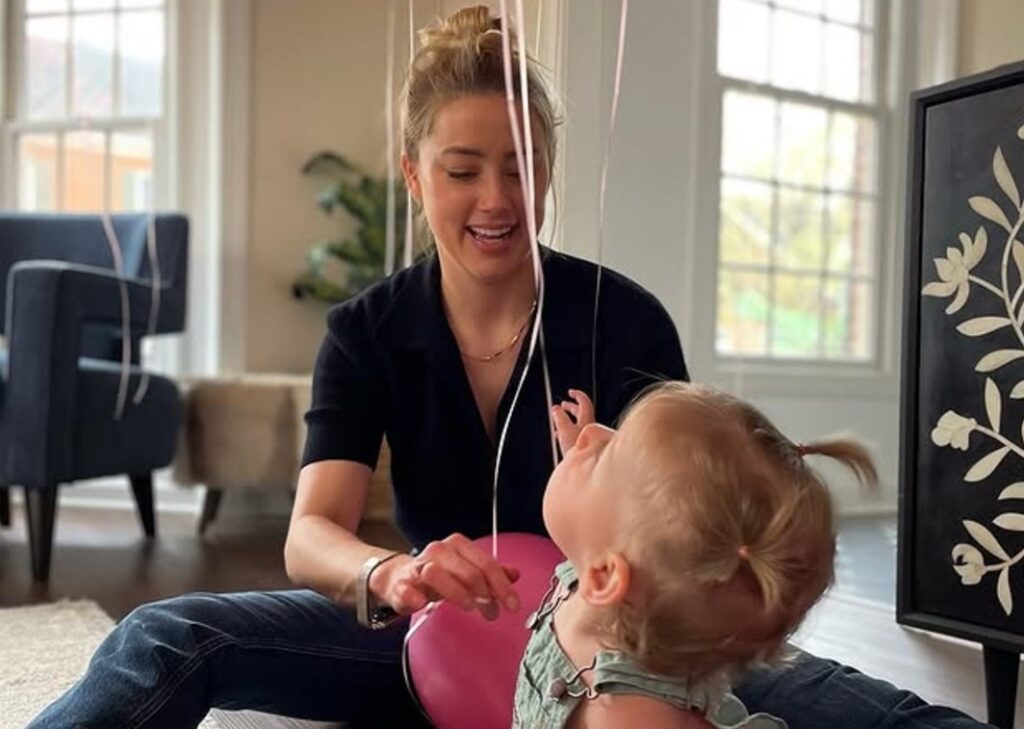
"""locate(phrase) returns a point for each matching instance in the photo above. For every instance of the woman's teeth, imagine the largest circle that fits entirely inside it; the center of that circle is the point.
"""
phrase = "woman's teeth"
(491, 233)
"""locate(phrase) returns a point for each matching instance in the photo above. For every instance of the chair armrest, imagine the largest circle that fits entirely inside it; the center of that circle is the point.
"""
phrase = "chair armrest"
(94, 293)
(47, 303)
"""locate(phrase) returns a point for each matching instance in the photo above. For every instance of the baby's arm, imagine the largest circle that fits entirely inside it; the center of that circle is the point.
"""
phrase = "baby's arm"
(626, 711)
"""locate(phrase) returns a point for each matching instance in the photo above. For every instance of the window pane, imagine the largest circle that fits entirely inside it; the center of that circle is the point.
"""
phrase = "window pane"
(802, 135)
(46, 69)
(848, 320)
(94, 64)
(37, 172)
(45, 6)
(746, 222)
(807, 6)
(801, 227)
(141, 3)
(92, 4)
(796, 52)
(131, 167)
(141, 44)
(742, 313)
(743, 33)
(851, 234)
(84, 178)
(846, 11)
(844, 66)
(795, 319)
(852, 153)
(748, 121)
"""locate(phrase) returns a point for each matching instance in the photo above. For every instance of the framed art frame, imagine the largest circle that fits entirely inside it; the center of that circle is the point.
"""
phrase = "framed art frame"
(961, 535)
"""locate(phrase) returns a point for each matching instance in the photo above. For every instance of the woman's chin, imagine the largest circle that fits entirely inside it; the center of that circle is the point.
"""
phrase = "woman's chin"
(498, 258)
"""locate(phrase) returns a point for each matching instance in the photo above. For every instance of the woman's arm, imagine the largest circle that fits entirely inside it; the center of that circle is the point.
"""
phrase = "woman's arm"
(322, 550)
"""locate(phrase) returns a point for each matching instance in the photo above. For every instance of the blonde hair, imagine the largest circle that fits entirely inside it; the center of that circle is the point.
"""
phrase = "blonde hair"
(461, 56)
(726, 509)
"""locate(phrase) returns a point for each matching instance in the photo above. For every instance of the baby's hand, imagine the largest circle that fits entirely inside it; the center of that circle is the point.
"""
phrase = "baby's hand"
(567, 428)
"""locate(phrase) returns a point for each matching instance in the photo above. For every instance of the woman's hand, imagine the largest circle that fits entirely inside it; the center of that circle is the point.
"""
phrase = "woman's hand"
(453, 569)
(567, 428)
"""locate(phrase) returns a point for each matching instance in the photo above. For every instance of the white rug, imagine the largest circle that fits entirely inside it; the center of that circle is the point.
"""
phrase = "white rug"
(43, 650)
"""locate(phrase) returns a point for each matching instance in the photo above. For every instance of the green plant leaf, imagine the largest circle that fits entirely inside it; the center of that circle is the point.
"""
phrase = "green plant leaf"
(328, 163)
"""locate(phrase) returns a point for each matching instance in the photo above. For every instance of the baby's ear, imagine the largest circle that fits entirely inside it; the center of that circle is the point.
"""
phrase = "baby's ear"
(605, 582)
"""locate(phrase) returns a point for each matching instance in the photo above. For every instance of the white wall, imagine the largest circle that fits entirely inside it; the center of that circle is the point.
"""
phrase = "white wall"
(657, 178)
(317, 74)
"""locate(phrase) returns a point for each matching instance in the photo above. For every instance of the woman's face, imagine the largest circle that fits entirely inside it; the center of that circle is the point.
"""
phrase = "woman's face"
(467, 181)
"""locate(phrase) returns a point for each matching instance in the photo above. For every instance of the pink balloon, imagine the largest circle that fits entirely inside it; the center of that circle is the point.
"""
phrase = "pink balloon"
(463, 667)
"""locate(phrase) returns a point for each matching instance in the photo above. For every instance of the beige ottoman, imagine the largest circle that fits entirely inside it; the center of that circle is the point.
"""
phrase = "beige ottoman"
(246, 432)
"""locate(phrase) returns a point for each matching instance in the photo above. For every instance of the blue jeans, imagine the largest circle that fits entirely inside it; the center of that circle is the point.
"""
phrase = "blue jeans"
(298, 654)
(294, 653)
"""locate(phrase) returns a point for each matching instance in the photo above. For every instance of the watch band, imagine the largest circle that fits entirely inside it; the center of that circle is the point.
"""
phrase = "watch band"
(368, 614)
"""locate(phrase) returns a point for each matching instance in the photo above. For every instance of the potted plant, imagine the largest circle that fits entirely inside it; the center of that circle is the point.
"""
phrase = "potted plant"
(362, 255)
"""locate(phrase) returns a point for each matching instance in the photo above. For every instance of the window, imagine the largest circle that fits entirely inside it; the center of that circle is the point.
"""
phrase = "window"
(799, 188)
(88, 103)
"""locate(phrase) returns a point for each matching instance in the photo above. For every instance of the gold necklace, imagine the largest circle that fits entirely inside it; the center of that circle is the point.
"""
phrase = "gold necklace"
(512, 343)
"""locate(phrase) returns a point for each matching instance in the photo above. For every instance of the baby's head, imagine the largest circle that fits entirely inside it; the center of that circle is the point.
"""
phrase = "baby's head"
(699, 534)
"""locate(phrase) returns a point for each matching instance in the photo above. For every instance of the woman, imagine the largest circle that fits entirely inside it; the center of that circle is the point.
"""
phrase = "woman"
(430, 358)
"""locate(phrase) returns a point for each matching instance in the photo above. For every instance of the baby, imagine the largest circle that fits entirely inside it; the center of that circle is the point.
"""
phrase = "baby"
(697, 539)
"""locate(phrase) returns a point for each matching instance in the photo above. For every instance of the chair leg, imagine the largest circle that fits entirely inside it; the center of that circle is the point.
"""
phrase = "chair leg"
(211, 505)
(142, 488)
(5, 506)
(40, 509)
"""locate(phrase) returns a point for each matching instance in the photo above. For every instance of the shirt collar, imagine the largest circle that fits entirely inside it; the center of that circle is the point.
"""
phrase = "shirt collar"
(416, 318)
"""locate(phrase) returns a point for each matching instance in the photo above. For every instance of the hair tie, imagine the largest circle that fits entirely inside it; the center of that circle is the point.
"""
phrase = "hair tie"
(801, 449)
(744, 552)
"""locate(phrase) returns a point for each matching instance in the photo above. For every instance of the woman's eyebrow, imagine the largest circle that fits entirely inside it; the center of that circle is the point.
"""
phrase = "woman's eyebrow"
(473, 152)
(469, 151)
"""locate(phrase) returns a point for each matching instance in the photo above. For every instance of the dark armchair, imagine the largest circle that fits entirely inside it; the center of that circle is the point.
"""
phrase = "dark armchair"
(61, 365)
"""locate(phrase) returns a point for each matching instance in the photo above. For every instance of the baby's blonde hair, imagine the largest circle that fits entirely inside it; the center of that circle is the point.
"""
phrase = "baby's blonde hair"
(461, 56)
(724, 509)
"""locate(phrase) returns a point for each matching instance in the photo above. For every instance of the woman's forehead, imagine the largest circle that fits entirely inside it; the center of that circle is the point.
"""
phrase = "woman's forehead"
(476, 126)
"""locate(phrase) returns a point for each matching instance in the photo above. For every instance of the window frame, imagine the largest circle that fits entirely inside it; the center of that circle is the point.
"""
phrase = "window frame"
(12, 125)
(895, 69)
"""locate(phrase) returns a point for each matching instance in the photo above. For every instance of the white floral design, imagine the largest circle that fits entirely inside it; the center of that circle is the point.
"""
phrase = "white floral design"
(954, 430)
(955, 270)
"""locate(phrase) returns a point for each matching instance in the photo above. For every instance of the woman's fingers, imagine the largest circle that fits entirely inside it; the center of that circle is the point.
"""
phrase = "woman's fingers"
(407, 598)
(459, 571)
(442, 582)
(497, 580)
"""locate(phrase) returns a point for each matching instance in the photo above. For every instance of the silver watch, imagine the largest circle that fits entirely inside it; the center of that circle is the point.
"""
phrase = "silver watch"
(368, 613)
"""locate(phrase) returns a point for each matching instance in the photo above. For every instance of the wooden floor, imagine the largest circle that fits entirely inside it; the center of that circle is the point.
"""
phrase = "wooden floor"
(102, 555)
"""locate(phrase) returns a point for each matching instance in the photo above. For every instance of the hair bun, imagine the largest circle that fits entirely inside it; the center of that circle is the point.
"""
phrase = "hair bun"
(466, 28)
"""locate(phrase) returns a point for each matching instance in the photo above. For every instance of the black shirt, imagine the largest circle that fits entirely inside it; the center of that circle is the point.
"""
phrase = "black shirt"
(390, 365)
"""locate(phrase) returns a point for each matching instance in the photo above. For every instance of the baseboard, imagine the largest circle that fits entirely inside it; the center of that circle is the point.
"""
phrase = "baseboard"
(115, 493)
(868, 510)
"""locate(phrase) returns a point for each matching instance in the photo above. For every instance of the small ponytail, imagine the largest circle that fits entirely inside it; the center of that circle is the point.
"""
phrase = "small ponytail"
(849, 453)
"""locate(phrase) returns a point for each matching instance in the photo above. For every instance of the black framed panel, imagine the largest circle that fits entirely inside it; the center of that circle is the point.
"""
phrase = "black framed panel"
(961, 536)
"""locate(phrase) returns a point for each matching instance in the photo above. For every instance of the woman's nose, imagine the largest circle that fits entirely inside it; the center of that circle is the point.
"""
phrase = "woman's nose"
(496, 194)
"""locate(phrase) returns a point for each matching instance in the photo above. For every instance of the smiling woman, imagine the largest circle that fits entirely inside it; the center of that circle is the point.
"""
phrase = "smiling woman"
(429, 358)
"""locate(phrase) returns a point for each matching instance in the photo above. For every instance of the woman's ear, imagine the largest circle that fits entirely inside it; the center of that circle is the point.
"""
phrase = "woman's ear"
(606, 582)
(411, 172)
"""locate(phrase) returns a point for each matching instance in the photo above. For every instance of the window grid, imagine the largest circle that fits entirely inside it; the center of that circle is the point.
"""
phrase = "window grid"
(860, 280)
(110, 124)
